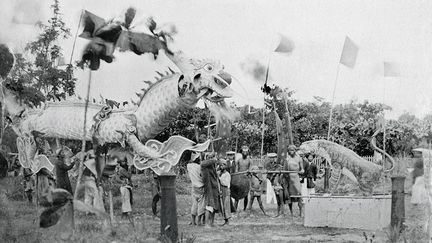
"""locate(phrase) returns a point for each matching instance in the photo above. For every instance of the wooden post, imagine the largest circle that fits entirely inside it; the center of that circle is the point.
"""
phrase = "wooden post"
(326, 179)
(288, 124)
(398, 201)
(331, 107)
(427, 178)
(262, 132)
(168, 206)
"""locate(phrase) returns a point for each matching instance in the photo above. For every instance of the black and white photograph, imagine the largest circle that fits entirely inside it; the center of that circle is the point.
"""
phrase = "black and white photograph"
(188, 121)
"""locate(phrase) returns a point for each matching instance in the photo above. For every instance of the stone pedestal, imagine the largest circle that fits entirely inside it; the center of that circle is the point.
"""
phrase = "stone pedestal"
(370, 213)
(168, 206)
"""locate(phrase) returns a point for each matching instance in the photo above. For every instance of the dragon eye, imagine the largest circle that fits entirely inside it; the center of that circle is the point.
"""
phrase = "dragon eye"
(208, 67)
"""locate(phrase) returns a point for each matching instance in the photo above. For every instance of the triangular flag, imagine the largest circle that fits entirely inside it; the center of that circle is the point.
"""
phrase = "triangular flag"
(391, 69)
(92, 23)
(349, 53)
(285, 45)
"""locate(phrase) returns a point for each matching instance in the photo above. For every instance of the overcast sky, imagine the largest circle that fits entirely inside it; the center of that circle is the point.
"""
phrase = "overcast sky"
(235, 31)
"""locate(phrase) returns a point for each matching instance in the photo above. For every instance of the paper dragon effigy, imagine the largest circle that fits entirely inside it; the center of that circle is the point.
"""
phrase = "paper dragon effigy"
(159, 103)
(345, 162)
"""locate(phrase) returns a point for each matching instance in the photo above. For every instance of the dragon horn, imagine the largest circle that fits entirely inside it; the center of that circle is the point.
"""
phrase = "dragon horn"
(172, 71)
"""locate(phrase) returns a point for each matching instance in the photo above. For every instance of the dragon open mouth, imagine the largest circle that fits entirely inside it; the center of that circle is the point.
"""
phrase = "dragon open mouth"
(219, 89)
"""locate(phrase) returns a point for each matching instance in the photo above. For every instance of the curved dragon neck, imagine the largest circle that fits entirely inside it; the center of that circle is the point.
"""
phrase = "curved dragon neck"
(159, 105)
(344, 156)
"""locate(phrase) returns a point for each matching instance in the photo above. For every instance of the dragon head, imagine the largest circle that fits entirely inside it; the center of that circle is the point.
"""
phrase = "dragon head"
(208, 77)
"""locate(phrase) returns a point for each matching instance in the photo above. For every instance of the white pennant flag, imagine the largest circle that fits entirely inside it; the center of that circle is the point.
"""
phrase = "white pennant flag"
(349, 53)
(391, 69)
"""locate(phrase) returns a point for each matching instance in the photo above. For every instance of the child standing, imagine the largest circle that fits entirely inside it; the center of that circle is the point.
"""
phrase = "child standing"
(29, 186)
(225, 181)
(256, 188)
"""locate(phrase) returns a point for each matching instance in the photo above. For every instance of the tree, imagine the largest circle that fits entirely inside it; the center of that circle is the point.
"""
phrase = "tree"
(42, 73)
(36, 76)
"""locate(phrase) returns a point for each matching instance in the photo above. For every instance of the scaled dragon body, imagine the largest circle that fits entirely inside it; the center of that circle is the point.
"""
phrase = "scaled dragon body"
(345, 162)
(158, 105)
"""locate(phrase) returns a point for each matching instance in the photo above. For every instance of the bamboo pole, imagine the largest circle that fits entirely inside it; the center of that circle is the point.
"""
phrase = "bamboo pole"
(427, 175)
(332, 103)
(81, 162)
(262, 132)
(289, 127)
(3, 109)
(80, 168)
(266, 172)
(76, 35)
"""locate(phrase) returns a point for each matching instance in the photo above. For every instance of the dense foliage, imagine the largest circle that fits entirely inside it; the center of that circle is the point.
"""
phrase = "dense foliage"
(353, 125)
(38, 74)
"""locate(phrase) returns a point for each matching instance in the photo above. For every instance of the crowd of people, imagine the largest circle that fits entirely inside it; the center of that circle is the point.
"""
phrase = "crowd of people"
(211, 176)
(211, 179)
(65, 167)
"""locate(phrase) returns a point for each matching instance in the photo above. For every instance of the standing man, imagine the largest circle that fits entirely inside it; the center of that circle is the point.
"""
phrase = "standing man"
(62, 166)
(156, 192)
(244, 163)
(293, 163)
(194, 171)
(231, 161)
(275, 179)
(29, 186)
(126, 187)
(211, 193)
(240, 183)
(225, 181)
(309, 176)
(93, 194)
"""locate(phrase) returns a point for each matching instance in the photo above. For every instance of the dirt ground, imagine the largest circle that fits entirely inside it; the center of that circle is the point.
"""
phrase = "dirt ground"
(19, 223)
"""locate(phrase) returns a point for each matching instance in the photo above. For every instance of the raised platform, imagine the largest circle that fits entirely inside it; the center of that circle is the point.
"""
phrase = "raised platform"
(356, 212)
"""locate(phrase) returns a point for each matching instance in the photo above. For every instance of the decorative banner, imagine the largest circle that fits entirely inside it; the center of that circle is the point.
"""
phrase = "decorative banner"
(223, 131)
(349, 53)
(223, 128)
(29, 159)
(105, 36)
(391, 69)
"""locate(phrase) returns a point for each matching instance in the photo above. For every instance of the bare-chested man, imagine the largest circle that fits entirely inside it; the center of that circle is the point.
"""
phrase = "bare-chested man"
(243, 164)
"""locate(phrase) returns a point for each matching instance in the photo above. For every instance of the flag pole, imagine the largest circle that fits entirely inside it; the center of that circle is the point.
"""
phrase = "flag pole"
(262, 132)
(333, 97)
(384, 123)
(264, 108)
(76, 35)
